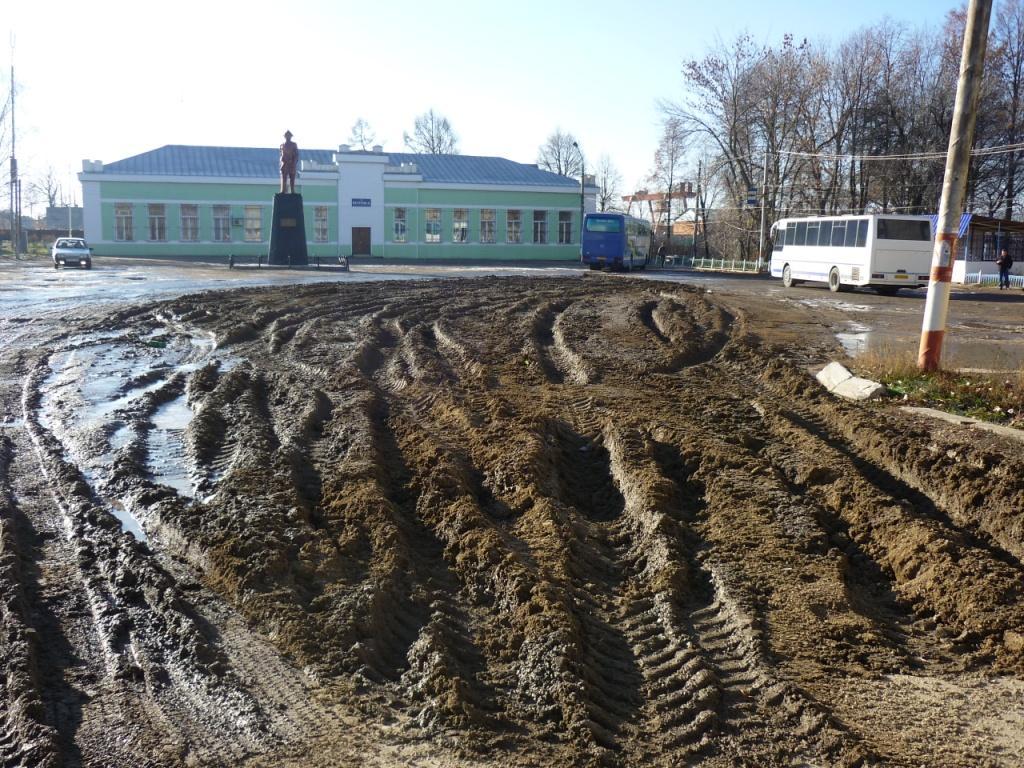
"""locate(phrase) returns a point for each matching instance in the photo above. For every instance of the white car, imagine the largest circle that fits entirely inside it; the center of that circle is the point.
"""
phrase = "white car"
(71, 252)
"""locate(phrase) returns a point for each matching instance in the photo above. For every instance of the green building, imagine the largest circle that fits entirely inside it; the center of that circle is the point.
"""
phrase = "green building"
(209, 202)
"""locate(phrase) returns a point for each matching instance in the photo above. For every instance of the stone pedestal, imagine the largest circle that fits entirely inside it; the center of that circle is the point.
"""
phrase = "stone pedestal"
(288, 231)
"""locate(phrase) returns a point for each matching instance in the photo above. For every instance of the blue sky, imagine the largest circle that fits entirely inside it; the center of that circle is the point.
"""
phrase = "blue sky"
(107, 80)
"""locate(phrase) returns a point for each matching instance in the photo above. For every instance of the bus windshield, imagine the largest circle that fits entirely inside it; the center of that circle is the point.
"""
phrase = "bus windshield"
(604, 225)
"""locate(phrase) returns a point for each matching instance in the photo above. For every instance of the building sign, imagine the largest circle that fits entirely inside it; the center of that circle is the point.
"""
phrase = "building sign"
(360, 202)
(289, 222)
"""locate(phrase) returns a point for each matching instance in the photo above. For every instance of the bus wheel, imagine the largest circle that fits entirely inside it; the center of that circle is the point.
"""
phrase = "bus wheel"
(833, 280)
(787, 277)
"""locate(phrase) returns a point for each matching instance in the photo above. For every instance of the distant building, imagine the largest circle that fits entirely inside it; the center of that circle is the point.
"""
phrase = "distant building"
(657, 207)
(63, 217)
(201, 202)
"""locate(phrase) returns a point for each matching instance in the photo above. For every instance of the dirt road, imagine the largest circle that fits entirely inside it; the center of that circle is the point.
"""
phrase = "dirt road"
(499, 521)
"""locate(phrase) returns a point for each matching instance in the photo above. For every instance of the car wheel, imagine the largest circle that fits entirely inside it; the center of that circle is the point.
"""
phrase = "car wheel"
(833, 280)
(787, 277)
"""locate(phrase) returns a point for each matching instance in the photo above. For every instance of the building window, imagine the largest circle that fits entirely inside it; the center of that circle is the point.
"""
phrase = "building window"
(157, 222)
(433, 225)
(222, 223)
(253, 223)
(564, 227)
(515, 220)
(460, 226)
(399, 225)
(320, 224)
(189, 223)
(123, 228)
(540, 227)
(487, 225)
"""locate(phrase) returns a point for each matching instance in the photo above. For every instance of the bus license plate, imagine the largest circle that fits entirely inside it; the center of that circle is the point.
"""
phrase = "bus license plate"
(901, 277)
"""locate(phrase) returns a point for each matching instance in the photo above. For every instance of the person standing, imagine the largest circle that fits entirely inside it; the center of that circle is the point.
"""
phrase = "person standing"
(1004, 262)
(661, 255)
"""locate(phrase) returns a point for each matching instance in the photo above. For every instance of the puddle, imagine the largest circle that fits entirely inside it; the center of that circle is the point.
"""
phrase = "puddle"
(87, 399)
(982, 354)
(165, 447)
(129, 522)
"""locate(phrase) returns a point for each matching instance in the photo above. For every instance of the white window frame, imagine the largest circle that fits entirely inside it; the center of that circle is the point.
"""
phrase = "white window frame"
(124, 228)
(321, 227)
(189, 223)
(565, 228)
(460, 225)
(400, 226)
(157, 213)
(253, 223)
(540, 236)
(487, 219)
(432, 225)
(222, 223)
(514, 226)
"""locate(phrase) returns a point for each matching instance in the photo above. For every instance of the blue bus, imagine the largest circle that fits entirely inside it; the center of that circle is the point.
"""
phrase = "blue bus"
(615, 241)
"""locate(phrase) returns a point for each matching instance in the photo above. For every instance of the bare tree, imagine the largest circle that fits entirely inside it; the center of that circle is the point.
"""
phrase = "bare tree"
(609, 185)
(46, 188)
(560, 154)
(362, 135)
(667, 161)
(432, 134)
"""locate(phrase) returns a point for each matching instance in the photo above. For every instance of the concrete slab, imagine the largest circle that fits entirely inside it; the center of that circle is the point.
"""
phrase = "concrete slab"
(856, 388)
(840, 382)
(832, 375)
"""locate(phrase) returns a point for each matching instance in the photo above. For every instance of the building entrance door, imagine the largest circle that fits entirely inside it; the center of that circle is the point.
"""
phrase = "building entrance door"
(360, 241)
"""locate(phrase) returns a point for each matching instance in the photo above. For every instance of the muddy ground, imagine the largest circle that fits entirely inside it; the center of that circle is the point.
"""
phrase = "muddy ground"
(498, 521)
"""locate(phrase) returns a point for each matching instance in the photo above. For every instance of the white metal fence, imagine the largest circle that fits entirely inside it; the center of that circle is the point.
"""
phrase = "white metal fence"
(713, 264)
(980, 278)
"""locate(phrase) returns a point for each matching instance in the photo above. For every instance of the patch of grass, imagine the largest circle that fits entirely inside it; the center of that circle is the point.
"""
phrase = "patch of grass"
(989, 396)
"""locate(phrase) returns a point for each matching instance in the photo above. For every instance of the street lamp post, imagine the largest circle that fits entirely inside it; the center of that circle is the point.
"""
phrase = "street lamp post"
(580, 151)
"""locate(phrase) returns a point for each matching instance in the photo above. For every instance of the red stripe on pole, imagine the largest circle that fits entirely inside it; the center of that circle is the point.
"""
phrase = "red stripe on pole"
(942, 275)
(931, 350)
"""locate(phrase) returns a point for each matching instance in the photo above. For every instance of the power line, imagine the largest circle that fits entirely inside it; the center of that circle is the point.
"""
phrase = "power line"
(936, 155)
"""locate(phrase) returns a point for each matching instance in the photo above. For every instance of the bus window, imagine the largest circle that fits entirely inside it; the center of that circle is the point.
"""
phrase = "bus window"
(839, 233)
(862, 233)
(780, 240)
(851, 233)
(604, 225)
(812, 232)
(904, 229)
(791, 234)
(825, 238)
(801, 232)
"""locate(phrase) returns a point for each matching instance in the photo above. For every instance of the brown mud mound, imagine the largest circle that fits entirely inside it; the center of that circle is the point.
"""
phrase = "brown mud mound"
(495, 521)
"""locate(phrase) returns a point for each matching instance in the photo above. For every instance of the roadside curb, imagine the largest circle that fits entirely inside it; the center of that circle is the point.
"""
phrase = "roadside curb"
(966, 421)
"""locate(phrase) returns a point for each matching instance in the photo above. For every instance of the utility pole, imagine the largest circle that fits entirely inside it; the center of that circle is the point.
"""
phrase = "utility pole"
(582, 180)
(696, 213)
(764, 198)
(15, 217)
(954, 184)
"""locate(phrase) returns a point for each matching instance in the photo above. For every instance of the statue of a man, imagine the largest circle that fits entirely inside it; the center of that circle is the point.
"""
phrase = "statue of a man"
(289, 162)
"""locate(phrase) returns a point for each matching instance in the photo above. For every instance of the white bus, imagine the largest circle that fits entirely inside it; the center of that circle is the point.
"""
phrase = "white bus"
(879, 250)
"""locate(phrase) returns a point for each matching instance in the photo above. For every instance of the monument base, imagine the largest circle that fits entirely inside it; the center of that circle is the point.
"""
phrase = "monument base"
(288, 231)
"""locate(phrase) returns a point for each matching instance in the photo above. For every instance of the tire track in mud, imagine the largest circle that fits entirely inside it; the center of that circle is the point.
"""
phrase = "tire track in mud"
(535, 519)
